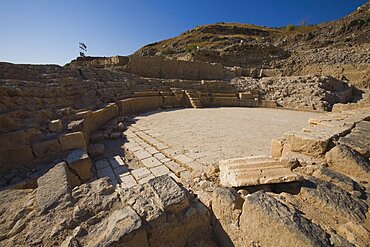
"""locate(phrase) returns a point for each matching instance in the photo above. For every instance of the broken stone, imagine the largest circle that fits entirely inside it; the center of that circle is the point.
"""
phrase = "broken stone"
(53, 188)
(327, 195)
(343, 159)
(172, 196)
(355, 233)
(255, 171)
(268, 222)
(80, 163)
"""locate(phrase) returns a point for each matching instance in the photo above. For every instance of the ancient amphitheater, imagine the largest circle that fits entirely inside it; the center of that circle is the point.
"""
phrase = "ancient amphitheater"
(206, 148)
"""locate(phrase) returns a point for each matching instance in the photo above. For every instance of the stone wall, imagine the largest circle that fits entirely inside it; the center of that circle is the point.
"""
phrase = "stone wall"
(157, 67)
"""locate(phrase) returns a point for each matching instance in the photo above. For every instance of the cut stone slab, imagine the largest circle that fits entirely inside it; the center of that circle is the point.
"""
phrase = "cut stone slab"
(314, 144)
(122, 228)
(46, 148)
(160, 156)
(197, 166)
(171, 195)
(140, 173)
(56, 125)
(160, 170)
(53, 187)
(175, 167)
(116, 161)
(121, 170)
(74, 140)
(151, 162)
(152, 150)
(80, 162)
(106, 172)
(142, 154)
(146, 179)
(182, 159)
(127, 181)
(255, 170)
(100, 164)
(271, 223)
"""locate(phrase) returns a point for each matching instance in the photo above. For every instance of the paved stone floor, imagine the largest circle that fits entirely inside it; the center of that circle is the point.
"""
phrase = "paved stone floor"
(222, 133)
(187, 142)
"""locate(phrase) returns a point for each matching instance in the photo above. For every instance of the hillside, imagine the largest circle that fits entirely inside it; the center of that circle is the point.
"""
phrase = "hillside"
(294, 50)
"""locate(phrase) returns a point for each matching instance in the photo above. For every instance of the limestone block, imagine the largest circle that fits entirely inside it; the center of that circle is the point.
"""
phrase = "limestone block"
(16, 158)
(271, 223)
(151, 162)
(127, 181)
(355, 233)
(53, 187)
(171, 195)
(96, 150)
(80, 163)
(74, 140)
(343, 159)
(141, 173)
(76, 125)
(160, 170)
(122, 228)
(276, 148)
(255, 170)
(314, 144)
(14, 139)
(56, 125)
(46, 148)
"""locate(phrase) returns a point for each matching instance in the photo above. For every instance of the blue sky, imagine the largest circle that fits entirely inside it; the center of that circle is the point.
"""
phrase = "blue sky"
(48, 31)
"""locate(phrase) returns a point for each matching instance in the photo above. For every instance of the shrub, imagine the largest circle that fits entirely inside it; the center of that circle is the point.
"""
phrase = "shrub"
(168, 51)
(290, 27)
(191, 48)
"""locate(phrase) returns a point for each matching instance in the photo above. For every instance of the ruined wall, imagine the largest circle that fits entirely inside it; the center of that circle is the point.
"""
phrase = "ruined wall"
(157, 67)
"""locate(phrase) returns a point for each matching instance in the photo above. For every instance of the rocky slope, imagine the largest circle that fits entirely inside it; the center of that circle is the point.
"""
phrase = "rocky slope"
(320, 49)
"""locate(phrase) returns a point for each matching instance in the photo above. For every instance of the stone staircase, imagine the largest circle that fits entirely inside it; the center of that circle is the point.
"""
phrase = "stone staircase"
(193, 98)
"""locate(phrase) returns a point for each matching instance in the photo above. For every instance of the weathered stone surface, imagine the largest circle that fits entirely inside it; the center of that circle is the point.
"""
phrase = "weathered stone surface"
(122, 228)
(255, 171)
(80, 163)
(56, 125)
(267, 222)
(72, 141)
(96, 150)
(314, 144)
(46, 148)
(171, 195)
(140, 173)
(345, 160)
(143, 200)
(276, 148)
(340, 180)
(355, 233)
(53, 187)
(359, 139)
(151, 162)
(327, 195)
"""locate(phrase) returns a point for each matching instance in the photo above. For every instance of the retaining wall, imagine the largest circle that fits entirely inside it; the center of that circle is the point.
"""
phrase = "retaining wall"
(18, 152)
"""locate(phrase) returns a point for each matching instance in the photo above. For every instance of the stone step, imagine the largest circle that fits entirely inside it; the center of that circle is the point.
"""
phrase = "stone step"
(258, 170)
